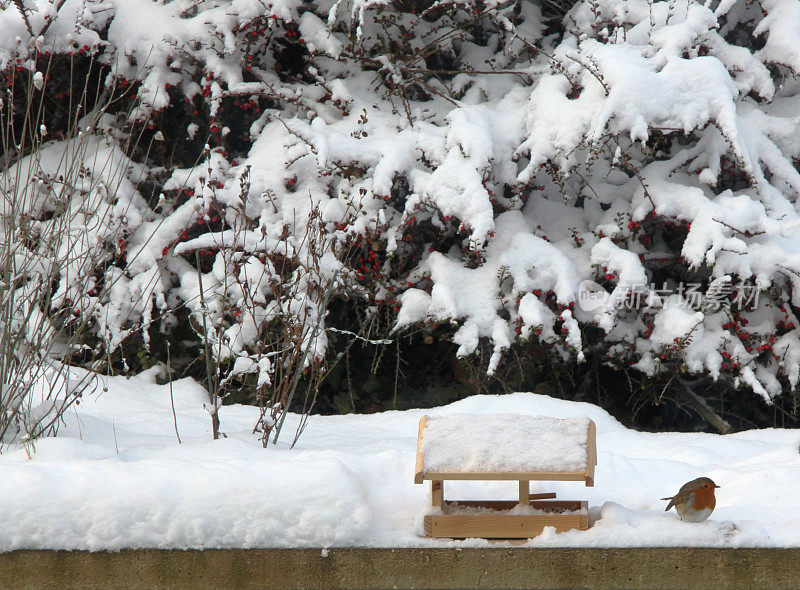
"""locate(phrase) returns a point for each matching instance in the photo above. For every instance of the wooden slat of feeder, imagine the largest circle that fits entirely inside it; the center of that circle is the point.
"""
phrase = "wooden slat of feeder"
(542, 496)
(451, 506)
(423, 422)
(591, 450)
(586, 475)
(506, 476)
(492, 526)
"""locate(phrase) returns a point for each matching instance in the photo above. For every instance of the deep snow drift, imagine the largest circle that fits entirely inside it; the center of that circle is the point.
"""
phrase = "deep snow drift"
(116, 477)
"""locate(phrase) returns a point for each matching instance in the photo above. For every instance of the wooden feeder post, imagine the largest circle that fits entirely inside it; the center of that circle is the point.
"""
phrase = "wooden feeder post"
(454, 522)
(524, 492)
(437, 493)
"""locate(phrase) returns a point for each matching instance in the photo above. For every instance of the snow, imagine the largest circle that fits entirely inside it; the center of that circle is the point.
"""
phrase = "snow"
(116, 477)
(633, 133)
(490, 443)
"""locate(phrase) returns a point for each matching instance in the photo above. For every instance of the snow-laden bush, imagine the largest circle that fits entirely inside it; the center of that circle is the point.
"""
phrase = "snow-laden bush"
(63, 209)
(472, 164)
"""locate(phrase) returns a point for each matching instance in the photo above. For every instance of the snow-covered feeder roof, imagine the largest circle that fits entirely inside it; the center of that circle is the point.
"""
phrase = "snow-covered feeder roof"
(506, 446)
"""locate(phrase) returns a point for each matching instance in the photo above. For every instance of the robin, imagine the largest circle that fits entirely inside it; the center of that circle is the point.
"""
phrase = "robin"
(695, 501)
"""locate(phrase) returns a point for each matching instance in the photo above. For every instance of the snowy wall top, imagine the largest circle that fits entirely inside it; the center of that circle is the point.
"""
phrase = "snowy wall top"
(506, 446)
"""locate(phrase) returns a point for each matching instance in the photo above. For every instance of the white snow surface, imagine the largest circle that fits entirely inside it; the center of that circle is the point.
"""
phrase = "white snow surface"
(116, 477)
(491, 443)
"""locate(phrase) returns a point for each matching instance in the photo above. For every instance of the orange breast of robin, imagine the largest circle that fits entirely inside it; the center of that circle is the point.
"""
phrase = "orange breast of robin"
(704, 498)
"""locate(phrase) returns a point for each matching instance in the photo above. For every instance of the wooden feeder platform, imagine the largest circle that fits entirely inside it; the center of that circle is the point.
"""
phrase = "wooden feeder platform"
(503, 447)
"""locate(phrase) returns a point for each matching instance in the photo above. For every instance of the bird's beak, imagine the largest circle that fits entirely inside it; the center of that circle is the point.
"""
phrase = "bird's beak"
(716, 486)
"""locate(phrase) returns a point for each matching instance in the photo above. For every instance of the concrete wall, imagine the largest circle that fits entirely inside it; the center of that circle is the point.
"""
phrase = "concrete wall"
(405, 568)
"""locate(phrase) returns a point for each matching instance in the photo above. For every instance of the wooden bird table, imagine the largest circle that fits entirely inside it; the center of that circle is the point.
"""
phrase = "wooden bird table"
(505, 447)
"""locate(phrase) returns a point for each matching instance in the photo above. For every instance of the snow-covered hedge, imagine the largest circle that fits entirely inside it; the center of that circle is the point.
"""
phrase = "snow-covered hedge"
(458, 162)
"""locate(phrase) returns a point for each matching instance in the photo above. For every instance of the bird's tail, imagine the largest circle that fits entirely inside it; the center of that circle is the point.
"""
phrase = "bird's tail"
(671, 499)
